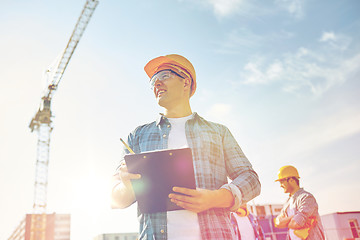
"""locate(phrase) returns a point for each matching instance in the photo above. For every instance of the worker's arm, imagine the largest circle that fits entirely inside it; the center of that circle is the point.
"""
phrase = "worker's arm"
(245, 184)
(202, 199)
(122, 194)
(294, 225)
(282, 221)
(306, 209)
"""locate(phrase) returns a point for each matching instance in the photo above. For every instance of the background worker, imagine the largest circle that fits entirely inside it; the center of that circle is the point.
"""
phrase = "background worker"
(300, 212)
(246, 225)
(216, 156)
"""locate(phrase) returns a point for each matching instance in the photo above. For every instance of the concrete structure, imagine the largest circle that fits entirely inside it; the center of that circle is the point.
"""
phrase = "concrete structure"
(265, 210)
(117, 236)
(341, 225)
(57, 227)
(271, 232)
(265, 215)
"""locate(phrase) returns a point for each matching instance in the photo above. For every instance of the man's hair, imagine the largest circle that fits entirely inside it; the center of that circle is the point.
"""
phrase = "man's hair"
(191, 85)
(296, 180)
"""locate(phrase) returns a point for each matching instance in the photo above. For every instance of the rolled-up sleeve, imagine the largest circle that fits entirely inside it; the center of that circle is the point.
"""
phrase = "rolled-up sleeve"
(307, 205)
(240, 171)
(236, 194)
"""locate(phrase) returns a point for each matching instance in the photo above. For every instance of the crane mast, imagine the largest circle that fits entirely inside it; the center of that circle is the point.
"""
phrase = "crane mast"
(42, 123)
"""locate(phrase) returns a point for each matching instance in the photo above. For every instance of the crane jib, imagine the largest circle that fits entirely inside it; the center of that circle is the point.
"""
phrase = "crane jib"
(42, 124)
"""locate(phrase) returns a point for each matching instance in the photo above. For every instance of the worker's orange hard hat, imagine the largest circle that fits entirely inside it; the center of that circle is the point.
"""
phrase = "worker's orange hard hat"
(287, 172)
(174, 62)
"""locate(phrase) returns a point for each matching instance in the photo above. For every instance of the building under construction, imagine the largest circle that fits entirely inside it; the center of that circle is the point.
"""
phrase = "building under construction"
(57, 227)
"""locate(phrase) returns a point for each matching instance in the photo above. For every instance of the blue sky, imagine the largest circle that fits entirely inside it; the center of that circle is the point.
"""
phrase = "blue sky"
(283, 75)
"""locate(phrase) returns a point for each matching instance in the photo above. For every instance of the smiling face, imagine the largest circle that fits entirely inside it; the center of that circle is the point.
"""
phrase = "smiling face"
(171, 90)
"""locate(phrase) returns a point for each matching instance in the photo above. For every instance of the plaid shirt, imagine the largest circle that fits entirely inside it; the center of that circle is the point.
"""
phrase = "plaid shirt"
(306, 207)
(216, 156)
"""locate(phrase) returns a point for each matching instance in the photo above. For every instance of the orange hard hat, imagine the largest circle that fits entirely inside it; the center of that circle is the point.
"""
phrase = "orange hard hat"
(287, 172)
(174, 62)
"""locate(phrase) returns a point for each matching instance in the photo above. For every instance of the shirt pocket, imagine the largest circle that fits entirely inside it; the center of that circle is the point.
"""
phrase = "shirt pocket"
(150, 142)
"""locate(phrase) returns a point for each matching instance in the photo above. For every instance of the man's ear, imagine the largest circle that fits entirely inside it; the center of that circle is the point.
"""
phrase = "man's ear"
(187, 83)
(292, 181)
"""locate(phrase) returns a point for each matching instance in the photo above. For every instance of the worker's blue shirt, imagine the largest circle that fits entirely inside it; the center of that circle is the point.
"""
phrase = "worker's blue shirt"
(216, 157)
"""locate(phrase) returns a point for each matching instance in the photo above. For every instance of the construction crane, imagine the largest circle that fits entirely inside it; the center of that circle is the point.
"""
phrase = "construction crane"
(42, 123)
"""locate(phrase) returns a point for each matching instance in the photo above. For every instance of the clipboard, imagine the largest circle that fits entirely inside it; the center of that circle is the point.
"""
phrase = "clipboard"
(160, 171)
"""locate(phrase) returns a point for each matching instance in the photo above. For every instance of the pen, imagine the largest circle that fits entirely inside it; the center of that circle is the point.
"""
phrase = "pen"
(128, 148)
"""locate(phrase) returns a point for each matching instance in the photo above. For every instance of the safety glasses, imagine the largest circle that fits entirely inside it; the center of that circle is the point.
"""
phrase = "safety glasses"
(285, 180)
(162, 76)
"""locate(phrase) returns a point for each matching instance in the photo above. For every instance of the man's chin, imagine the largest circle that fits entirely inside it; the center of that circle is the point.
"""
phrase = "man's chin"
(161, 102)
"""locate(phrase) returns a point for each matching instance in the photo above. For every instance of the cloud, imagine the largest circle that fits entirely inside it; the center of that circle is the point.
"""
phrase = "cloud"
(294, 7)
(219, 111)
(326, 36)
(306, 70)
(327, 130)
(257, 76)
(336, 41)
(242, 40)
(314, 134)
(224, 8)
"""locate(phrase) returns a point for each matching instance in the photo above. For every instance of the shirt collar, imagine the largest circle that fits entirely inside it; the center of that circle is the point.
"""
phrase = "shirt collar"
(164, 119)
(299, 191)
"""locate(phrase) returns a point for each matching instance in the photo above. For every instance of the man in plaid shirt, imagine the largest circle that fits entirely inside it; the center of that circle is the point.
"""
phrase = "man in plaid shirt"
(300, 213)
(216, 157)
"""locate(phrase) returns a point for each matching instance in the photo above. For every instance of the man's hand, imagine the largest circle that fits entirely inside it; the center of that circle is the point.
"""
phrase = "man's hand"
(294, 225)
(282, 221)
(201, 199)
(125, 176)
(122, 194)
